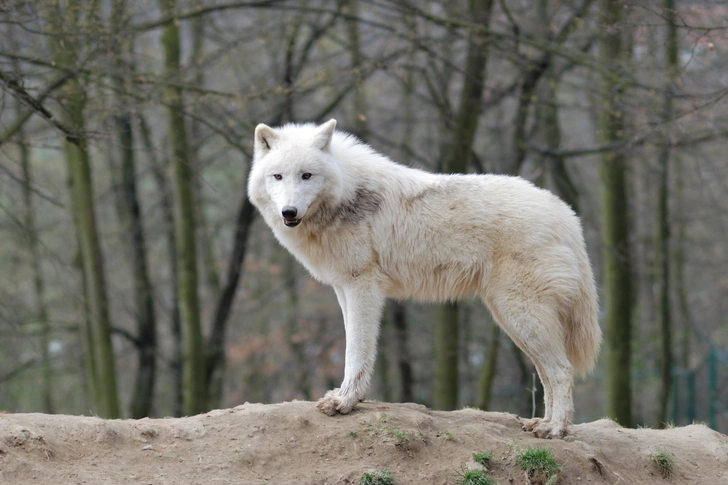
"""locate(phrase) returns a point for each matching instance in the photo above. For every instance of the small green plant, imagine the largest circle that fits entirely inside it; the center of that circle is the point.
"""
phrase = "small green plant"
(400, 438)
(448, 436)
(352, 434)
(474, 477)
(377, 477)
(483, 458)
(540, 464)
(664, 462)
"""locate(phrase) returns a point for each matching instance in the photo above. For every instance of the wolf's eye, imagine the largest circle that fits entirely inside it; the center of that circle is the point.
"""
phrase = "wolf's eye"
(306, 176)
(277, 176)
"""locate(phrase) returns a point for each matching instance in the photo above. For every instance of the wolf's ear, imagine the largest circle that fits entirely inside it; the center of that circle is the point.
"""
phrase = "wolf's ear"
(265, 138)
(324, 135)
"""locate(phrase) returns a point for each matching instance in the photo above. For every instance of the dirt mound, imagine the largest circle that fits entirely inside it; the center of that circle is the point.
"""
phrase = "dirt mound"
(293, 443)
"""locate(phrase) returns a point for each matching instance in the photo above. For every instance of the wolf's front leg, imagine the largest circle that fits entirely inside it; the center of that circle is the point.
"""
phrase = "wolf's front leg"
(361, 306)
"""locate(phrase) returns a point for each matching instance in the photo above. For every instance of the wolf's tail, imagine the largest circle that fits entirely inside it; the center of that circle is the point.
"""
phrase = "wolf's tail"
(583, 335)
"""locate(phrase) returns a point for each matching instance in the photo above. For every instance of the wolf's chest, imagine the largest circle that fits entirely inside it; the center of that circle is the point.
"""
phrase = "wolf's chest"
(331, 256)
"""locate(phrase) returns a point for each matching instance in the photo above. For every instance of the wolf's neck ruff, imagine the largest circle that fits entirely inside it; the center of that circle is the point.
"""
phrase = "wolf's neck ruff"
(365, 203)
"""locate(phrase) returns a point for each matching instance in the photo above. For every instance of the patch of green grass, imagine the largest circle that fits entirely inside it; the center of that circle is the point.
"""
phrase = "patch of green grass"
(353, 434)
(474, 477)
(540, 464)
(400, 438)
(448, 436)
(483, 458)
(664, 462)
(377, 477)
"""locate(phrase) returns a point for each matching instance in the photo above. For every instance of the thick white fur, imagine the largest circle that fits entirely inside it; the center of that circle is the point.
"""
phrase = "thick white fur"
(374, 229)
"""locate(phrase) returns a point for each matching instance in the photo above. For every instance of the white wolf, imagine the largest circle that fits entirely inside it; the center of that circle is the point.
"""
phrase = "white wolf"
(374, 229)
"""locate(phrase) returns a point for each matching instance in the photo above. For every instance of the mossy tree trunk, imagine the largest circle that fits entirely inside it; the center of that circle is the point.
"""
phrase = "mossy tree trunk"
(662, 243)
(457, 155)
(615, 220)
(65, 21)
(38, 280)
(488, 372)
(193, 365)
(102, 354)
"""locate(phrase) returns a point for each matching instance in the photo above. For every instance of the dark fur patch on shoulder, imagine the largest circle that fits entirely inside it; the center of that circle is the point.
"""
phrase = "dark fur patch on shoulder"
(365, 202)
(428, 192)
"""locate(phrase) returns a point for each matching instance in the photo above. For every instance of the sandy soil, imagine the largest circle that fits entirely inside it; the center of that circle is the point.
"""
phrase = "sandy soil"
(293, 443)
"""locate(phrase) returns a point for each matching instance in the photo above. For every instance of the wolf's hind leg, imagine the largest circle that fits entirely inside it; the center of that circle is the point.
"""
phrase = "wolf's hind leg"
(547, 398)
(562, 377)
(361, 306)
(536, 329)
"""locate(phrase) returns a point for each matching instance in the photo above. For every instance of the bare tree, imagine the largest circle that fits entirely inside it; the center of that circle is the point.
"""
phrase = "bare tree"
(663, 237)
(615, 219)
(193, 365)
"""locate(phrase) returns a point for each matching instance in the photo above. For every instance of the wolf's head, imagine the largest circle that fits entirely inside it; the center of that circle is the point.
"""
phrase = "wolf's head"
(293, 171)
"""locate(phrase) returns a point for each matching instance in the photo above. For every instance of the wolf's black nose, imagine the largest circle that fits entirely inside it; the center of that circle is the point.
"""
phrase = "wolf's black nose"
(289, 212)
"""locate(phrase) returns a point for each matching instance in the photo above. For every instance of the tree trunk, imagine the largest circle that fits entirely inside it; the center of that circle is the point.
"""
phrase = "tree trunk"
(398, 312)
(679, 270)
(146, 335)
(528, 87)
(488, 373)
(215, 346)
(550, 136)
(146, 338)
(359, 102)
(296, 344)
(100, 354)
(38, 281)
(457, 154)
(167, 209)
(206, 246)
(615, 221)
(662, 247)
(193, 365)
(78, 162)
(446, 357)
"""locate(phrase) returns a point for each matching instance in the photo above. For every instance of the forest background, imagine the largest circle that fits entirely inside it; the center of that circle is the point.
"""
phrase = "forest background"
(138, 281)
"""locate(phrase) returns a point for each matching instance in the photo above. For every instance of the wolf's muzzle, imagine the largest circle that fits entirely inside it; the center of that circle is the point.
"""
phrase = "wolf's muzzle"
(289, 216)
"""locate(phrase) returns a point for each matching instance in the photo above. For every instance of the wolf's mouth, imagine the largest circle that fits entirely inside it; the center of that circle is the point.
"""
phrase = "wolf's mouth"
(291, 222)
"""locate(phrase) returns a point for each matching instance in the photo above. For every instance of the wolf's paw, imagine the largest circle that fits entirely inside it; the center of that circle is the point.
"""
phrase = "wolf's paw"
(334, 402)
(531, 424)
(549, 430)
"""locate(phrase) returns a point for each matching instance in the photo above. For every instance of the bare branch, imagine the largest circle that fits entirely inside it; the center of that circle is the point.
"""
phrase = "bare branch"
(37, 107)
(197, 12)
(10, 132)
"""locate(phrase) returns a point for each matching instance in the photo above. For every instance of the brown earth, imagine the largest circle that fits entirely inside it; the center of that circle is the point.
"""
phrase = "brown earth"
(292, 443)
